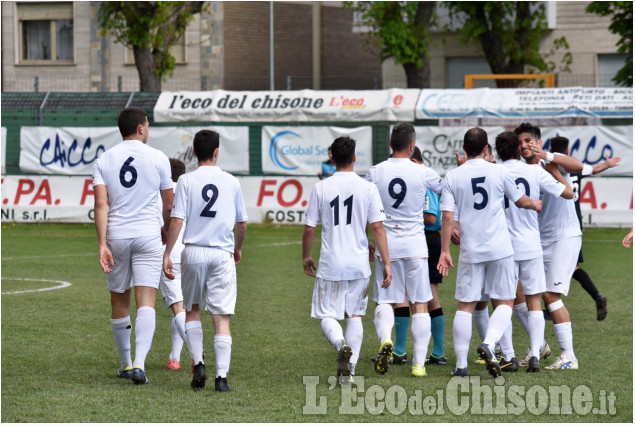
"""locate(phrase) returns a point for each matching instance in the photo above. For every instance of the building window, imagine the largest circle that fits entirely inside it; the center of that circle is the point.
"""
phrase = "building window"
(46, 32)
(608, 65)
(178, 51)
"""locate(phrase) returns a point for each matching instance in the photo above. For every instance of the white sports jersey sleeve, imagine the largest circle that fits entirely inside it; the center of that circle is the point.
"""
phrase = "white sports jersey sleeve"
(344, 203)
(206, 199)
(133, 174)
(587, 170)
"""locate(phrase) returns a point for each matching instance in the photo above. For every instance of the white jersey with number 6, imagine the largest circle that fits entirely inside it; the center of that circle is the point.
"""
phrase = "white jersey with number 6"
(133, 173)
(402, 185)
(476, 190)
(211, 202)
(344, 203)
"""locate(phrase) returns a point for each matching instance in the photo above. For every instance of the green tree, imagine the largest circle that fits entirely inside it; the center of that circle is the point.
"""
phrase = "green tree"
(400, 30)
(149, 28)
(621, 24)
(509, 34)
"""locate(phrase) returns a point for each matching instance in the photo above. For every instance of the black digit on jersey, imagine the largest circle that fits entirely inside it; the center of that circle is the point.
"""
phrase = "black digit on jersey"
(127, 168)
(478, 189)
(518, 181)
(335, 204)
(207, 211)
(398, 196)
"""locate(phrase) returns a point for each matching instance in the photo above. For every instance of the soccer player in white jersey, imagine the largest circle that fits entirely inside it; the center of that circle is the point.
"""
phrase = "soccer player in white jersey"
(171, 289)
(211, 203)
(525, 234)
(344, 204)
(402, 186)
(126, 180)
(476, 191)
(561, 240)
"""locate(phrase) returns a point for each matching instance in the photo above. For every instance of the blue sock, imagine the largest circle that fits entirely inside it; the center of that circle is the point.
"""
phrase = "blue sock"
(402, 322)
(437, 320)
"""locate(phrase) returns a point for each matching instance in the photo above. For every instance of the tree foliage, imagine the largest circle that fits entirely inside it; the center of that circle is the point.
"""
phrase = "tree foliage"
(509, 33)
(399, 30)
(150, 29)
(621, 24)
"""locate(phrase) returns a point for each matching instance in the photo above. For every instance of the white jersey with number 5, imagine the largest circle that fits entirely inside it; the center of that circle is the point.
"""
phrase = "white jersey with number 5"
(133, 173)
(476, 190)
(344, 203)
(402, 185)
(211, 202)
(522, 223)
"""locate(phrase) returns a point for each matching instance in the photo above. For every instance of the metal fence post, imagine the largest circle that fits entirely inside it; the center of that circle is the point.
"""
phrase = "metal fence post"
(36, 83)
(119, 83)
(204, 83)
(288, 82)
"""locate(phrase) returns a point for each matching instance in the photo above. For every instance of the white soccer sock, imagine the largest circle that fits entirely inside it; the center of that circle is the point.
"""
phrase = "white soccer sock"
(506, 343)
(522, 314)
(121, 329)
(462, 331)
(536, 321)
(194, 339)
(481, 320)
(354, 337)
(564, 335)
(177, 340)
(333, 332)
(223, 352)
(144, 332)
(384, 321)
(421, 332)
(498, 323)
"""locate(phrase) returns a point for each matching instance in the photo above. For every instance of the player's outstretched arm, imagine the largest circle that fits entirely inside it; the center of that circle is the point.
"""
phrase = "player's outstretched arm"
(628, 239)
(553, 169)
(529, 204)
(379, 234)
(569, 163)
(608, 163)
(241, 231)
(173, 234)
(307, 242)
(445, 259)
(101, 223)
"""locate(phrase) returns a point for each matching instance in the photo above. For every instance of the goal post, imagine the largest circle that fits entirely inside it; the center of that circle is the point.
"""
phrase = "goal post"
(550, 79)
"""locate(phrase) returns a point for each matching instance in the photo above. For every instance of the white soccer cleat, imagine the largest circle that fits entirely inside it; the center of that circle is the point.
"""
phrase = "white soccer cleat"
(544, 353)
(563, 362)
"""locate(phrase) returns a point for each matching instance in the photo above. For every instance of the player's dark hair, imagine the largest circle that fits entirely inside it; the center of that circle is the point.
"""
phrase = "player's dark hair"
(178, 168)
(507, 146)
(205, 143)
(474, 141)
(416, 154)
(559, 144)
(533, 130)
(401, 136)
(343, 151)
(129, 119)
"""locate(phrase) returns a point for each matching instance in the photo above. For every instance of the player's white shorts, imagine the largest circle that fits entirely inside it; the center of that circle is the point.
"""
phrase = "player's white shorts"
(408, 276)
(171, 289)
(493, 278)
(208, 278)
(560, 258)
(334, 299)
(138, 262)
(531, 274)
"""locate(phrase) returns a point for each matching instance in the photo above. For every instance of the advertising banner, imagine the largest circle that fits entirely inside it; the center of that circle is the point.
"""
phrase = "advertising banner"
(589, 144)
(605, 202)
(4, 149)
(73, 150)
(525, 102)
(285, 106)
(301, 150)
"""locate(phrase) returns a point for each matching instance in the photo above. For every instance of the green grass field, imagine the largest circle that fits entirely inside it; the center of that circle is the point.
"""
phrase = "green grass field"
(59, 358)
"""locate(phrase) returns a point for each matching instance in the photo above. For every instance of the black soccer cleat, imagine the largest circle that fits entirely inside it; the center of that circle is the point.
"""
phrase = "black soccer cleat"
(486, 353)
(509, 365)
(600, 305)
(399, 360)
(199, 378)
(533, 365)
(138, 376)
(220, 385)
(441, 361)
(459, 372)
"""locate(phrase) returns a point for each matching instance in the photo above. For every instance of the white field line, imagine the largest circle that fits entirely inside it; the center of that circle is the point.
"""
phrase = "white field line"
(62, 284)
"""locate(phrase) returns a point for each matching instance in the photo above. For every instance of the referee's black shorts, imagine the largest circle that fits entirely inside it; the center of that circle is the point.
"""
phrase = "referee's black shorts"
(433, 238)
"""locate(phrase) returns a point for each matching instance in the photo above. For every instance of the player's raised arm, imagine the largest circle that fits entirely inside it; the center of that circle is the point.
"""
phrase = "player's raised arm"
(608, 163)
(553, 169)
